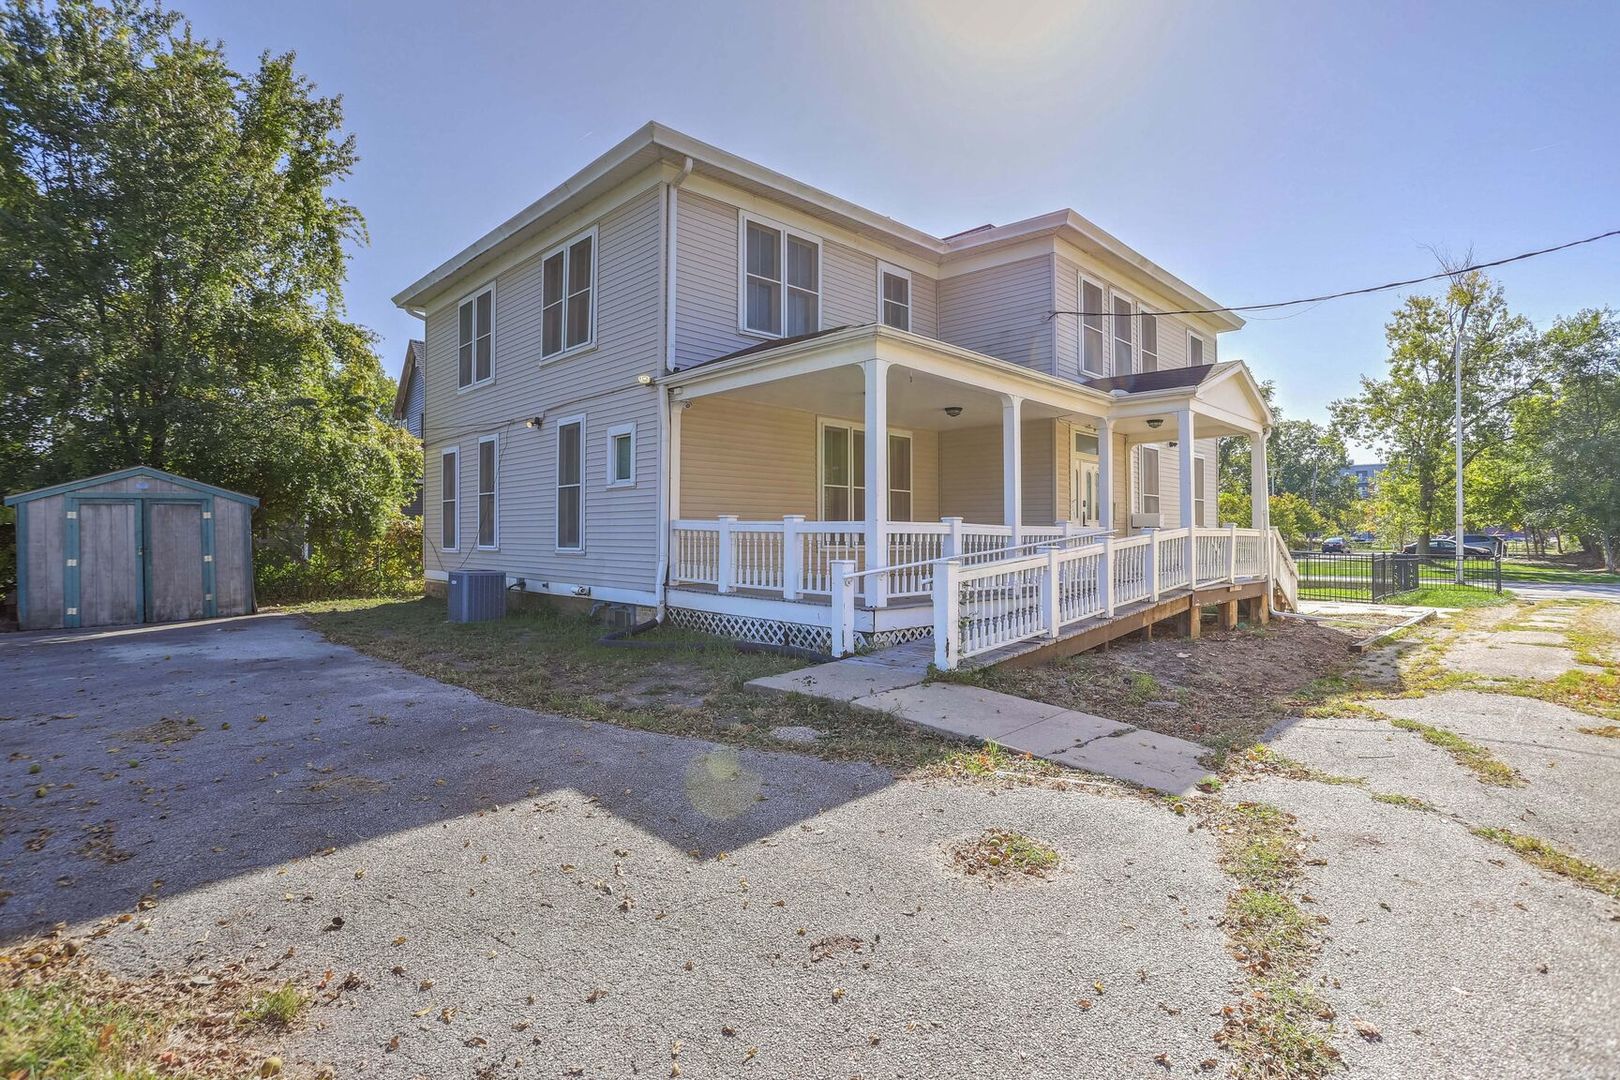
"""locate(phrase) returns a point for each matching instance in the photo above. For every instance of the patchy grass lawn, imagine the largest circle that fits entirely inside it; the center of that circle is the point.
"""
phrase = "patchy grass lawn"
(1222, 690)
(62, 1017)
(1453, 596)
(691, 685)
(1555, 573)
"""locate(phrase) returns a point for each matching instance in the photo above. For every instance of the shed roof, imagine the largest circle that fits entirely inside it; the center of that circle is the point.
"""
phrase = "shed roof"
(120, 474)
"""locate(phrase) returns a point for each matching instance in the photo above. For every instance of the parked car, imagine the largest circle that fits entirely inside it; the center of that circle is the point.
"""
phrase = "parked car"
(1363, 538)
(1443, 545)
(1335, 545)
(1497, 544)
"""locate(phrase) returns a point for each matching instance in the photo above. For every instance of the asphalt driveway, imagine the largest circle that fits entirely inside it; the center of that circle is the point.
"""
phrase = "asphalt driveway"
(523, 895)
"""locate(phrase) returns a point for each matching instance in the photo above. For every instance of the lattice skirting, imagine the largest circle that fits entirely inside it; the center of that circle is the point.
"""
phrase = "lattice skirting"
(750, 628)
(884, 639)
(778, 632)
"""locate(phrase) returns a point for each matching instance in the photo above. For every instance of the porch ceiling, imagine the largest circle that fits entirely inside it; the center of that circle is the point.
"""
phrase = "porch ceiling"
(917, 399)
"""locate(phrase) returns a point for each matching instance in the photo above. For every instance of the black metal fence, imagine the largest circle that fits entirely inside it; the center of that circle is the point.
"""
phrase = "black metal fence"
(1377, 576)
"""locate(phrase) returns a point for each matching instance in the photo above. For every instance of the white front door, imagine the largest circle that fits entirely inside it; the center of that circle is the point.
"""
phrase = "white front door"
(1084, 479)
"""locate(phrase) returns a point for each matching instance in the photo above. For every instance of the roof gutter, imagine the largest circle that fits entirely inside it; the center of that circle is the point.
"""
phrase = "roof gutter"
(665, 449)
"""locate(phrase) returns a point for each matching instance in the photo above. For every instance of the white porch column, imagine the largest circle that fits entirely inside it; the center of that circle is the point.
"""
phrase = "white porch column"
(677, 409)
(1259, 483)
(1105, 474)
(1012, 464)
(1184, 427)
(877, 480)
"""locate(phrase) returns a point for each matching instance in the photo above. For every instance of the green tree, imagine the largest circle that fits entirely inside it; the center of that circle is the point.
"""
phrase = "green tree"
(1303, 458)
(1408, 413)
(171, 271)
(1573, 472)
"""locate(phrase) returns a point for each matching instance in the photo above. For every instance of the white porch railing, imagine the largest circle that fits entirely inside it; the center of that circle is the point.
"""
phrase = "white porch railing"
(794, 557)
(984, 607)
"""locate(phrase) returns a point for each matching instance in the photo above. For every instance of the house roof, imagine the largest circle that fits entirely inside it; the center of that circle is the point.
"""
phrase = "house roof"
(1164, 379)
(766, 346)
(120, 474)
(654, 143)
(415, 353)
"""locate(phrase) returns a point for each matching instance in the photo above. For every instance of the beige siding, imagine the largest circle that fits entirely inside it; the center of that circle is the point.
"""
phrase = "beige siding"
(759, 463)
(1173, 330)
(1002, 311)
(971, 471)
(620, 524)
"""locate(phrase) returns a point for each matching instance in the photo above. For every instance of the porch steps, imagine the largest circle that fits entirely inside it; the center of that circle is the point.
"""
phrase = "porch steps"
(896, 686)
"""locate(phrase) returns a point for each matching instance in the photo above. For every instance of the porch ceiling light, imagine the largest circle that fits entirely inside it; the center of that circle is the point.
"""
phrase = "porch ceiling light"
(953, 411)
(1156, 423)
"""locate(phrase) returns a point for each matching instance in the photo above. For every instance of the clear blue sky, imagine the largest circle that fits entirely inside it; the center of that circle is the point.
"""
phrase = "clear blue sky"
(1261, 151)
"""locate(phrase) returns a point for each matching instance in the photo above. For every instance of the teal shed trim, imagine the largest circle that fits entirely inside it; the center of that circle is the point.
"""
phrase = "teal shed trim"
(139, 470)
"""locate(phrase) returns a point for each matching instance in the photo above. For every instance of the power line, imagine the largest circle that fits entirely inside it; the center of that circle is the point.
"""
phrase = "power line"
(1359, 292)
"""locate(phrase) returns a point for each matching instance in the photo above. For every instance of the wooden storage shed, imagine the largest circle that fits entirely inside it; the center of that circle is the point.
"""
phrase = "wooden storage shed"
(132, 546)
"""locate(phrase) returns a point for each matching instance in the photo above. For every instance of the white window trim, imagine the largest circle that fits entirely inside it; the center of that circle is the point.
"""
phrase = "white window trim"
(1209, 347)
(619, 431)
(744, 219)
(1158, 337)
(1136, 332)
(494, 301)
(495, 490)
(451, 452)
(899, 272)
(596, 262)
(822, 424)
(1141, 472)
(557, 485)
(1107, 331)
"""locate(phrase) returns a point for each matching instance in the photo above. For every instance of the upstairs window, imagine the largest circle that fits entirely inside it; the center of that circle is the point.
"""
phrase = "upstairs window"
(1093, 338)
(1150, 342)
(1124, 334)
(1195, 350)
(476, 339)
(568, 296)
(894, 296)
(781, 281)
(1147, 479)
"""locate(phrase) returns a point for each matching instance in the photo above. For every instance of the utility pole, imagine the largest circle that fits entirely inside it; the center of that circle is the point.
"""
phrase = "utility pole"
(1456, 364)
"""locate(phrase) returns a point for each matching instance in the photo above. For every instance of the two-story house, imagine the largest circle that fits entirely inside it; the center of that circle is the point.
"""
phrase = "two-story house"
(688, 383)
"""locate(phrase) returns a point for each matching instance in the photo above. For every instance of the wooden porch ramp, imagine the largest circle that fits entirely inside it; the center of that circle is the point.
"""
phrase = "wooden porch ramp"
(896, 682)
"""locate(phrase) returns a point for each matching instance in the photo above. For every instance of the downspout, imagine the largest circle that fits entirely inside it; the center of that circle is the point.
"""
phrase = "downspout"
(666, 476)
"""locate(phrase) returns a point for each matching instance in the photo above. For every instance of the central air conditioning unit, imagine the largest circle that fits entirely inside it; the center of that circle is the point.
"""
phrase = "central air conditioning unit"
(477, 595)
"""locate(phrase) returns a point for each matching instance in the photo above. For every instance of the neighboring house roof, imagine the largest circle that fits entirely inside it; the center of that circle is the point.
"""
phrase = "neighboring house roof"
(120, 474)
(415, 354)
(1163, 379)
(654, 143)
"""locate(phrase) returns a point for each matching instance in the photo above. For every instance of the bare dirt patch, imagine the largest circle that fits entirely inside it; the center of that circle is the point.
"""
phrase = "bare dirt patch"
(167, 731)
(1223, 689)
(1002, 855)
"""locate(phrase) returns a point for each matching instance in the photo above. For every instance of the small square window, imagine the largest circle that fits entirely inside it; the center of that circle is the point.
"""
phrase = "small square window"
(621, 456)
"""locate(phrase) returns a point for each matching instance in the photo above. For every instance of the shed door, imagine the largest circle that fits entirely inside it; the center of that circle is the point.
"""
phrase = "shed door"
(174, 561)
(109, 563)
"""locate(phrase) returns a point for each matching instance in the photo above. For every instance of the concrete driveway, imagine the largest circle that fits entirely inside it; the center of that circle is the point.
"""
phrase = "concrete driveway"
(524, 895)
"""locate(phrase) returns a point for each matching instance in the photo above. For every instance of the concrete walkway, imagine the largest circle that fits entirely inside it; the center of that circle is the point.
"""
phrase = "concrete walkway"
(893, 682)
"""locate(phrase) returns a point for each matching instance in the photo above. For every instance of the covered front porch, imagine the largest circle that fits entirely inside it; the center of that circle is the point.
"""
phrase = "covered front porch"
(895, 453)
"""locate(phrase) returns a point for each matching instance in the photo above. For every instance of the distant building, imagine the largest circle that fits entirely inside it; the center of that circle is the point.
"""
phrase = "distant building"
(1366, 477)
(408, 402)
